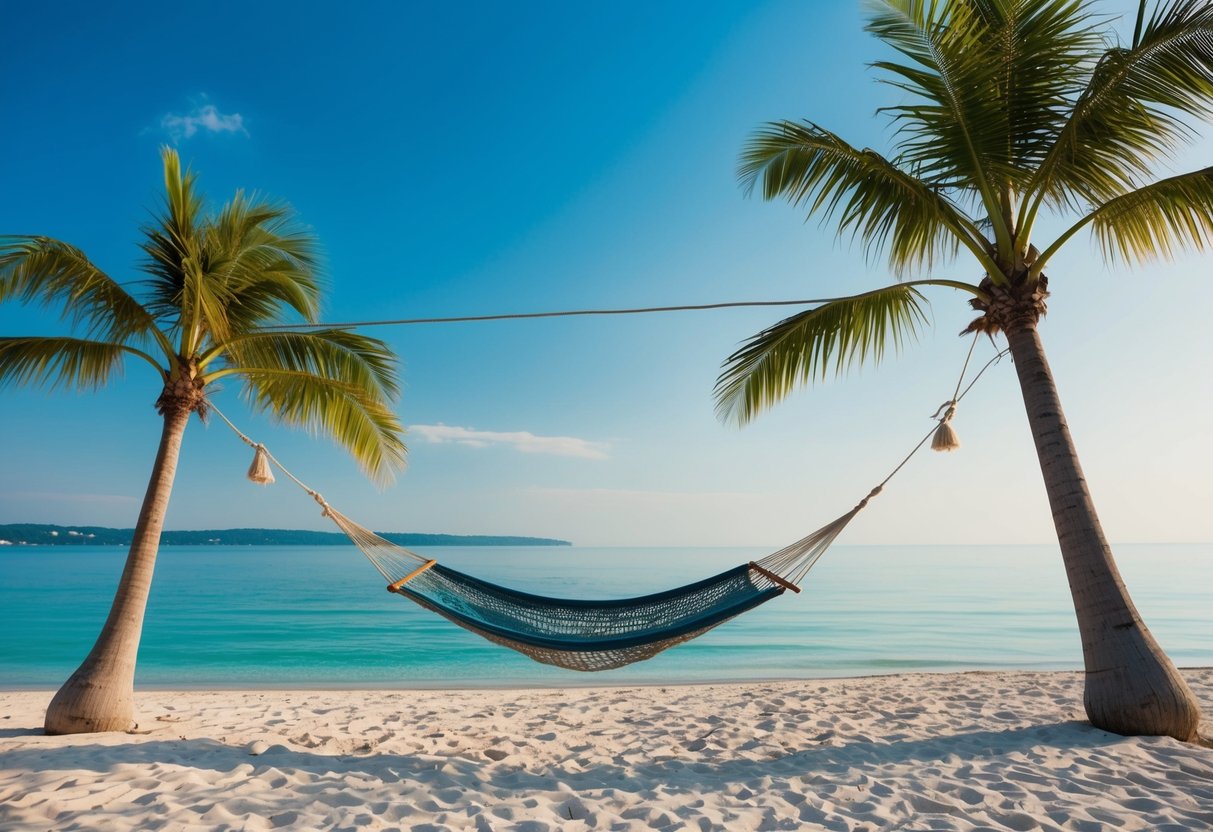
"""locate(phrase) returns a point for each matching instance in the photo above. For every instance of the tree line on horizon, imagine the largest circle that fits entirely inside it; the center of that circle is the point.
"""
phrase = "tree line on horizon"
(42, 534)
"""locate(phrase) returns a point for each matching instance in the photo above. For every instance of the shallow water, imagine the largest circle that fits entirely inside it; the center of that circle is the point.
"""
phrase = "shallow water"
(285, 616)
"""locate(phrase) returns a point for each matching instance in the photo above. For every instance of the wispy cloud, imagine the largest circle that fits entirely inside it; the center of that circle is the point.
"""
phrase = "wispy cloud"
(205, 117)
(524, 441)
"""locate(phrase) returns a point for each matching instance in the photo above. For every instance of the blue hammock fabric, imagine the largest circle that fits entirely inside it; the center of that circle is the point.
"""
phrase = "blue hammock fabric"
(588, 635)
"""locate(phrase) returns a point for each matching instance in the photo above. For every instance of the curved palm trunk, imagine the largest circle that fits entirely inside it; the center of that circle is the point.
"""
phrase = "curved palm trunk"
(99, 696)
(1131, 686)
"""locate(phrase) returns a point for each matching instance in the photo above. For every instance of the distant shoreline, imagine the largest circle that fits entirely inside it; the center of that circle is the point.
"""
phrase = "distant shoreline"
(37, 534)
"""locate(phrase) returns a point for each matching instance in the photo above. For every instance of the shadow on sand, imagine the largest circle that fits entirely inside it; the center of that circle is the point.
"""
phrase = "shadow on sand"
(695, 770)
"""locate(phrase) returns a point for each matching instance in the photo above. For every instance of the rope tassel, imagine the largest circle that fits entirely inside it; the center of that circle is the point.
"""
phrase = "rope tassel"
(260, 472)
(945, 438)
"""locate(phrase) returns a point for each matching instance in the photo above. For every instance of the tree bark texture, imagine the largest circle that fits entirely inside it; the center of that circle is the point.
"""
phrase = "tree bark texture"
(1131, 686)
(99, 696)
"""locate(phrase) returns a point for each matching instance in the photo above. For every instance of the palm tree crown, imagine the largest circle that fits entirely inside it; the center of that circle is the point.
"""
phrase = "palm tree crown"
(1013, 106)
(212, 285)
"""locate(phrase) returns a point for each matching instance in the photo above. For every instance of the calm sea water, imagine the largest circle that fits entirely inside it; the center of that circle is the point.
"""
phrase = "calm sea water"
(284, 616)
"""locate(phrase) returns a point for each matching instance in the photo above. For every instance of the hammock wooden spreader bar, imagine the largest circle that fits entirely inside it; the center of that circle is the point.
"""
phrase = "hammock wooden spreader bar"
(772, 576)
(594, 635)
(395, 585)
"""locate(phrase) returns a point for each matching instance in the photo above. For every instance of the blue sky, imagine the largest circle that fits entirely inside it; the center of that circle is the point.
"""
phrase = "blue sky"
(483, 158)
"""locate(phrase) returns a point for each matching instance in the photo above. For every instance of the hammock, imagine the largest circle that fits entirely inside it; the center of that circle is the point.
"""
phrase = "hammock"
(571, 633)
(604, 634)
(588, 635)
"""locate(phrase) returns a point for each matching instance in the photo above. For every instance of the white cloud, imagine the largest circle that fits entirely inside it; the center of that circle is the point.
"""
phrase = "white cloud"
(205, 117)
(524, 441)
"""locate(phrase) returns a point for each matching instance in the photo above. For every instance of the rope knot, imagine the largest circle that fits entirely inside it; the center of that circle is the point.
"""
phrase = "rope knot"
(326, 509)
(862, 504)
(948, 409)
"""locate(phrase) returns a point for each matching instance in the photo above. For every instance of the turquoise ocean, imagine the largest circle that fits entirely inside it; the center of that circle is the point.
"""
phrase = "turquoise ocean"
(274, 616)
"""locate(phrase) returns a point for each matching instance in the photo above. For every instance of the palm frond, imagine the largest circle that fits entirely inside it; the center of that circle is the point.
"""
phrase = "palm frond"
(171, 243)
(811, 344)
(52, 273)
(1128, 115)
(360, 422)
(334, 382)
(265, 265)
(991, 81)
(1152, 222)
(218, 277)
(864, 192)
(56, 362)
(334, 353)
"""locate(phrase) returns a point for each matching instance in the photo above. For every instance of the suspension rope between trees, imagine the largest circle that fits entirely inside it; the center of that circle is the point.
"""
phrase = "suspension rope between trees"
(560, 314)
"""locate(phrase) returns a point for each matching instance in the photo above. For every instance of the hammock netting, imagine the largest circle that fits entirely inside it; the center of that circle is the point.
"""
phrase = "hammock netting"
(588, 635)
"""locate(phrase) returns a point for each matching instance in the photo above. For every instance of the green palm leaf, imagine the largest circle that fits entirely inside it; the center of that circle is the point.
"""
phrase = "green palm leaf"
(72, 363)
(335, 353)
(171, 241)
(360, 422)
(333, 381)
(811, 344)
(866, 193)
(265, 266)
(52, 273)
(1127, 116)
(991, 81)
(952, 124)
(1152, 222)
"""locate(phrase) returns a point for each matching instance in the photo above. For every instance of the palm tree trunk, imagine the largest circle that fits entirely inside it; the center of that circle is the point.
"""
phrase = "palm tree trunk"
(1131, 687)
(99, 696)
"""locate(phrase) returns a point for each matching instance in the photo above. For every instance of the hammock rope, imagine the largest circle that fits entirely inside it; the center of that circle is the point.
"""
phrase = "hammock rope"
(593, 635)
(564, 313)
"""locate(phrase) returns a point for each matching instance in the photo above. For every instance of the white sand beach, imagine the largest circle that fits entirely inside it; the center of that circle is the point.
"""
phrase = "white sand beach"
(995, 750)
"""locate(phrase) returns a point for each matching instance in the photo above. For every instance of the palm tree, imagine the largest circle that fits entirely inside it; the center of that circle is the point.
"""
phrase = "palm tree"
(1010, 107)
(213, 284)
